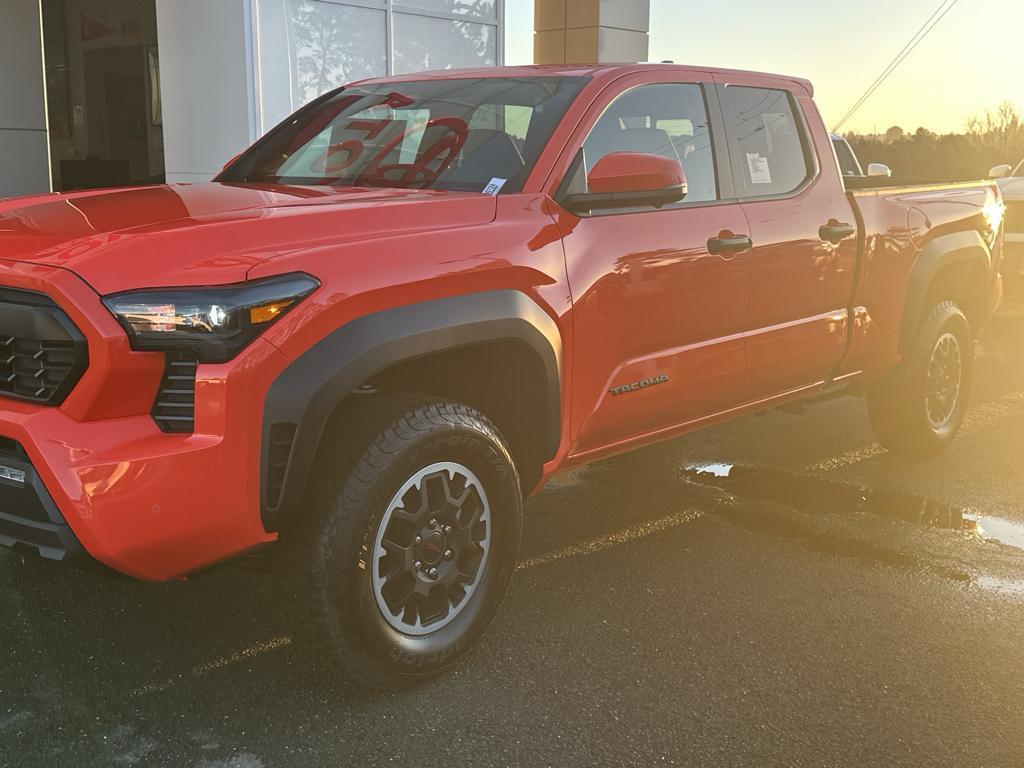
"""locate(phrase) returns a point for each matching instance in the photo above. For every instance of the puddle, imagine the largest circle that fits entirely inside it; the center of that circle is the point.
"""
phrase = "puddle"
(714, 470)
(820, 494)
(1014, 587)
(776, 524)
(999, 529)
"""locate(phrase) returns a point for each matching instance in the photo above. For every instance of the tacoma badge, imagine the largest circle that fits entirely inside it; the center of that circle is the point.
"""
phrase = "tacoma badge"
(638, 385)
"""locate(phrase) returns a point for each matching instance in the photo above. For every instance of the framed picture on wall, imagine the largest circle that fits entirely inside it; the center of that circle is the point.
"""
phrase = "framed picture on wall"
(155, 105)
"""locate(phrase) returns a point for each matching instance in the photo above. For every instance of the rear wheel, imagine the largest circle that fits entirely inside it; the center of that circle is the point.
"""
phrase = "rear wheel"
(919, 408)
(411, 541)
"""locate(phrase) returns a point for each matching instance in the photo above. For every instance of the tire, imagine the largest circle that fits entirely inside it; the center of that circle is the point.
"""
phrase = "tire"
(918, 409)
(386, 477)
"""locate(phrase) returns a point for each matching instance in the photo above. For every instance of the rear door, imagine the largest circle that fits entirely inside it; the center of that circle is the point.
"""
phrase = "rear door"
(654, 312)
(805, 250)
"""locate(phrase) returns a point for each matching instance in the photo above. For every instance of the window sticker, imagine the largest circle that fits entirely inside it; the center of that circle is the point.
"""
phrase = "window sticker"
(760, 172)
(494, 187)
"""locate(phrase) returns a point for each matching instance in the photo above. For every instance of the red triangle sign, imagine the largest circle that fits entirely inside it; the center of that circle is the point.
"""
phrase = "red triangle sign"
(92, 29)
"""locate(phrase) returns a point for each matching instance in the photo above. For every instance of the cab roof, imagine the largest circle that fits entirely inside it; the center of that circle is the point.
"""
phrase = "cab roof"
(606, 72)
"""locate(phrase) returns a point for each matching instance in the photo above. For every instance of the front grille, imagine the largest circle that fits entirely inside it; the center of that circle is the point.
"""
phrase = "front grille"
(12, 449)
(175, 406)
(33, 368)
(42, 353)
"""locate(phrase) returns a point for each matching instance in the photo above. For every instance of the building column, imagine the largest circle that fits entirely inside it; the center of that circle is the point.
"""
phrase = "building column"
(24, 141)
(591, 31)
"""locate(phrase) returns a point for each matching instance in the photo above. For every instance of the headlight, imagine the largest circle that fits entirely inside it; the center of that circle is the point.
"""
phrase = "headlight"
(214, 323)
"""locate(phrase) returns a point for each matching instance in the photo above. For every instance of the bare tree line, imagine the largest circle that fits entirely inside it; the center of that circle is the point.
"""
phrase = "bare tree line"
(988, 140)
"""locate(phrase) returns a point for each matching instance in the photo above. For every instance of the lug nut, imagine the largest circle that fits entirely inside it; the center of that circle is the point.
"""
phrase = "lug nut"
(449, 554)
(432, 573)
(418, 565)
(433, 522)
(418, 540)
(447, 529)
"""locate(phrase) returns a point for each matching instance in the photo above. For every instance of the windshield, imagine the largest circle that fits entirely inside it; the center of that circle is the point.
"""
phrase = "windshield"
(475, 135)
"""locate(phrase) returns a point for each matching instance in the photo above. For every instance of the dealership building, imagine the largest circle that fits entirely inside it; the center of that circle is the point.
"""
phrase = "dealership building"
(101, 93)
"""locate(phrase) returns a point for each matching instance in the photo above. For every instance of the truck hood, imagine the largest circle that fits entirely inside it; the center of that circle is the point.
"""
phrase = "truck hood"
(193, 234)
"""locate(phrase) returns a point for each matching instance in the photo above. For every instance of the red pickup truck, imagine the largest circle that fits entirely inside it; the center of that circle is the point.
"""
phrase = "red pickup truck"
(416, 299)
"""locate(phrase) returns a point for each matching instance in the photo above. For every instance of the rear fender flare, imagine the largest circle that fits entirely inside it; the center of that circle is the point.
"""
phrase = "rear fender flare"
(954, 248)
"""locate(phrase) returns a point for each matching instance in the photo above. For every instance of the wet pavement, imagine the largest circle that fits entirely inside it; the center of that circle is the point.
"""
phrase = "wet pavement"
(775, 591)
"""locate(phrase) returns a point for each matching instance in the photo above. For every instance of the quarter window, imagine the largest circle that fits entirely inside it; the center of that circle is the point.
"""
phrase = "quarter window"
(766, 142)
(665, 119)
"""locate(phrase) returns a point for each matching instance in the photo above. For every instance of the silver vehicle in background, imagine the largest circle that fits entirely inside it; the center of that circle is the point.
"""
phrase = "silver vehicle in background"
(1011, 182)
(850, 165)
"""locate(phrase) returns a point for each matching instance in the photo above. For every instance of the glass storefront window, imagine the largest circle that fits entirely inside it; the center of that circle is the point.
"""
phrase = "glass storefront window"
(331, 44)
(484, 9)
(309, 47)
(422, 43)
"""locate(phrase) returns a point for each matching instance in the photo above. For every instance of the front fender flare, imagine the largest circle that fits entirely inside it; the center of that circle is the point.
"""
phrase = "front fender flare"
(301, 399)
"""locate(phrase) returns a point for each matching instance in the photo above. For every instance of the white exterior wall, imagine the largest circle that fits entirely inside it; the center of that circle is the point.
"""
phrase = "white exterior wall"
(24, 149)
(206, 84)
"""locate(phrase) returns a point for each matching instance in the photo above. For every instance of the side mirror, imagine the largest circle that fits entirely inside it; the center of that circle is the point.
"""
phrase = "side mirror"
(627, 179)
(1000, 172)
(879, 169)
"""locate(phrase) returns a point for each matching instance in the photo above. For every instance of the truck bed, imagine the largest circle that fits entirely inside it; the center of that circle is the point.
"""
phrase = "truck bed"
(897, 221)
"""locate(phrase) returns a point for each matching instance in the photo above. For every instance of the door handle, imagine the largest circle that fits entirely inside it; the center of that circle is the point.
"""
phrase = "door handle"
(834, 232)
(718, 246)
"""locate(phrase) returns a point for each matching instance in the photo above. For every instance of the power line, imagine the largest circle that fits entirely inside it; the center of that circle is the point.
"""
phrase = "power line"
(933, 21)
(891, 66)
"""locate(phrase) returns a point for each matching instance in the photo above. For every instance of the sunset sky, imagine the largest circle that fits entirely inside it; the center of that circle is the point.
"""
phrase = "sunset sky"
(970, 62)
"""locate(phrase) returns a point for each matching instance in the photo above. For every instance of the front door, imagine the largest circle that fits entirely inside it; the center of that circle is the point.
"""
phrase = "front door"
(657, 319)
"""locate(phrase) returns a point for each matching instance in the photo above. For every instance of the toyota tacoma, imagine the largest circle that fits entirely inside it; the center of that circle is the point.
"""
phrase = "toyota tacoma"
(409, 305)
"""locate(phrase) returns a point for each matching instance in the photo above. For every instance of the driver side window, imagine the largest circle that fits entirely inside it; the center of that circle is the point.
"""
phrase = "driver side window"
(670, 120)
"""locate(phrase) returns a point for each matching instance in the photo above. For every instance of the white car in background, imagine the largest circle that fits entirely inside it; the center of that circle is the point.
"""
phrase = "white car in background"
(1011, 182)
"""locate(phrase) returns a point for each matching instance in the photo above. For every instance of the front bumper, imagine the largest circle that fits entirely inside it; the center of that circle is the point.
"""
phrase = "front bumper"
(28, 516)
(148, 504)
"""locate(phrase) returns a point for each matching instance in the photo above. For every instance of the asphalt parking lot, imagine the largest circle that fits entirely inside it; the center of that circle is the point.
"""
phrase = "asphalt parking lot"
(776, 591)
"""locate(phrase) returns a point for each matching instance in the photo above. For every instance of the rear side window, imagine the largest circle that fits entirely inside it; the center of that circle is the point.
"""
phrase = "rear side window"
(766, 140)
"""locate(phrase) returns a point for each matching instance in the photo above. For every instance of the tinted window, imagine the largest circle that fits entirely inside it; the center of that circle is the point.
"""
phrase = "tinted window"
(666, 120)
(465, 134)
(766, 141)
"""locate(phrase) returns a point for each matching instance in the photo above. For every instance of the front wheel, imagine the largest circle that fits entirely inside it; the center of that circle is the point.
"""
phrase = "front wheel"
(412, 539)
(919, 408)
